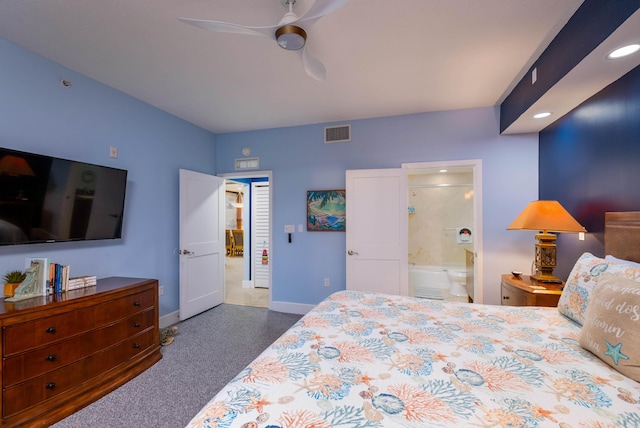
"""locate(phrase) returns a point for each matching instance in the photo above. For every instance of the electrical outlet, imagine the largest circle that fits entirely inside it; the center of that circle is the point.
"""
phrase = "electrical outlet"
(326, 282)
(113, 151)
(160, 290)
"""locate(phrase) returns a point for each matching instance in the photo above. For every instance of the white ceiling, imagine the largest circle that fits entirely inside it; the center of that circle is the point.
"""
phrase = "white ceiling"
(383, 57)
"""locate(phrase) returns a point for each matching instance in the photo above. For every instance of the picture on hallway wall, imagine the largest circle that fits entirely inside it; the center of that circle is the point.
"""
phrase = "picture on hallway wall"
(326, 211)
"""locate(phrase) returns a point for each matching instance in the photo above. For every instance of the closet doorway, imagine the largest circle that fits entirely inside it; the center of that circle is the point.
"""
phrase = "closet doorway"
(248, 233)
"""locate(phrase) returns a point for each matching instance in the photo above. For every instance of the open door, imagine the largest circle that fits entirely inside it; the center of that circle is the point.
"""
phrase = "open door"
(377, 224)
(202, 242)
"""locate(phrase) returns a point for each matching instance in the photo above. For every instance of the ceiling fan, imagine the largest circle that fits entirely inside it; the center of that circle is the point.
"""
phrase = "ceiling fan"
(288, 33)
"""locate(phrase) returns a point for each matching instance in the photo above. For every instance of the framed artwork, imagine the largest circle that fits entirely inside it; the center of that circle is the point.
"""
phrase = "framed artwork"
(326, 211)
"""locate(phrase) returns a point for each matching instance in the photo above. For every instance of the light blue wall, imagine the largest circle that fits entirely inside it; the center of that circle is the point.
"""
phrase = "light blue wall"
(39, 115)
(300, 161)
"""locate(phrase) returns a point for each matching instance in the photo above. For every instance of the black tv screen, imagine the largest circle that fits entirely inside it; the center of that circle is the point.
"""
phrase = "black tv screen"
(47, 199)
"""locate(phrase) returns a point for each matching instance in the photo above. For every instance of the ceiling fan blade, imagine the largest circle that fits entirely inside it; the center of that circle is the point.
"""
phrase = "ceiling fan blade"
(228, 27)
(312, 66)
(320, 8)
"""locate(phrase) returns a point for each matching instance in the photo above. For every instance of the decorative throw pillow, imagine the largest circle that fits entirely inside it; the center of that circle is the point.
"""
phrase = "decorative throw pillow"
(582, 280)
(611, 328)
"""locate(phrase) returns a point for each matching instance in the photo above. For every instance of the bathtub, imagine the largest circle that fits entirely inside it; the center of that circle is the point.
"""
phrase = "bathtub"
(429, 282)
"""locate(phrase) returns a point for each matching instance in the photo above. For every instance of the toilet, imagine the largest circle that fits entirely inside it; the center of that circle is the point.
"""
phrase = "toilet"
(458, 279)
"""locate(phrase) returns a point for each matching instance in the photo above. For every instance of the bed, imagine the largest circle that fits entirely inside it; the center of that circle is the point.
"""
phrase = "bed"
(360, 360)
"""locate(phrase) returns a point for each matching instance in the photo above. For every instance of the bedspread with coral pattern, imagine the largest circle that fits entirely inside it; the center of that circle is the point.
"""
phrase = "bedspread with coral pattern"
(366, 360)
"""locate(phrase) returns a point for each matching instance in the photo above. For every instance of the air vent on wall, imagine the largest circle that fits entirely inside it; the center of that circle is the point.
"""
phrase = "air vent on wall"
(337, 134)
(247, 163)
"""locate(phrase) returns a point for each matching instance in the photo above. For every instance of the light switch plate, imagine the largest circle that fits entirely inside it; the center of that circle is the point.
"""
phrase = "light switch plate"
(289, 228)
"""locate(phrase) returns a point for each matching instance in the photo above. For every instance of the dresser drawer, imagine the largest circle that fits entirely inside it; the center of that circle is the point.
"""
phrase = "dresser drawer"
(45, 359)
(125, 306)
(124, 329)
(27, 394)
(24, 336)
(126, 350)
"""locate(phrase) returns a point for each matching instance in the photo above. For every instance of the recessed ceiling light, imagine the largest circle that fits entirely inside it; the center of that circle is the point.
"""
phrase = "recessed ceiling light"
(624, 51)
(443, 170)
(542, 115)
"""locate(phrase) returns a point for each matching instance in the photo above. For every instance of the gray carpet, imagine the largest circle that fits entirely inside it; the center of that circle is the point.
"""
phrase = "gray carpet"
(208, 351)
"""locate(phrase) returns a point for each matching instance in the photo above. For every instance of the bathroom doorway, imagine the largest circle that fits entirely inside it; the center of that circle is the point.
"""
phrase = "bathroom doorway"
(444, 230)
(248, 230)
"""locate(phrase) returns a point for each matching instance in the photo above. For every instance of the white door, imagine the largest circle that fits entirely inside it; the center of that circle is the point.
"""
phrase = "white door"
(260, 234)
(202, 242)
(377, 230)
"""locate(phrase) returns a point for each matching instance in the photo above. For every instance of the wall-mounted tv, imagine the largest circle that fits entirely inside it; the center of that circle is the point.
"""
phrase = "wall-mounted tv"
(47, 199)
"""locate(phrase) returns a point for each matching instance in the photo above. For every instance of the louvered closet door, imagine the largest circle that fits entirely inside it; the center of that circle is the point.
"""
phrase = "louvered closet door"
(260, 234)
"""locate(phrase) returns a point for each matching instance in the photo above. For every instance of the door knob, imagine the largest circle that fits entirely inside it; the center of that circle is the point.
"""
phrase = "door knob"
(353, 253)
(186, 252)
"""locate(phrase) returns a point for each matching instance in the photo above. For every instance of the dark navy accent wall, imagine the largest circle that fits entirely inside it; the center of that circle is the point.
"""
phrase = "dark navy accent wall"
(590, 163)
(591, 24)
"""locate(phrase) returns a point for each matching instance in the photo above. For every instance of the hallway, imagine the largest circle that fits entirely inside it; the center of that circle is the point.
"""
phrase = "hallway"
(235, 294)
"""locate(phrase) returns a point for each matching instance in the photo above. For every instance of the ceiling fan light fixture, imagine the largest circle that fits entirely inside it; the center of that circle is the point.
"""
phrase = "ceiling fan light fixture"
(291, 37)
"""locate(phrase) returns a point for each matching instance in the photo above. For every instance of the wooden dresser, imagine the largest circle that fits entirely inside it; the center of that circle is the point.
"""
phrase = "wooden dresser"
(64, 351)
(524, 291)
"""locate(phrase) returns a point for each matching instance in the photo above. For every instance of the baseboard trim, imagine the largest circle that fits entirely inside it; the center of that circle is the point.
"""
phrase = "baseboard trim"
(290, 308)
(169, 319)
(286, 307)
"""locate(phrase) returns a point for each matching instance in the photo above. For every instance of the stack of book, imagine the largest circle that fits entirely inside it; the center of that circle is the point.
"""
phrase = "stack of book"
(81, 282)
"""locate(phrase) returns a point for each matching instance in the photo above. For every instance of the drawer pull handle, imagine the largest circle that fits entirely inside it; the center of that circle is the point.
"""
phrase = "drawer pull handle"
(505, 297)
(51, 330)
(51, 357)
(136, 345)
(51, 385)
(136, 325)
(136, 304)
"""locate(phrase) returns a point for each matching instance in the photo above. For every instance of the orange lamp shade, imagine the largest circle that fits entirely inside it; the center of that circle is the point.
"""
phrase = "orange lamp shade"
(548, 216)
(15, 165)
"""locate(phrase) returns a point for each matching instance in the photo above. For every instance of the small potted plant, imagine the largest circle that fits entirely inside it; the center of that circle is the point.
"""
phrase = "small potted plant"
(12, 280)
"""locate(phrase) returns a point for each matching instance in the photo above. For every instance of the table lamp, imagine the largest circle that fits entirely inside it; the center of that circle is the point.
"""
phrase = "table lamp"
(15, 165)
(546, 217)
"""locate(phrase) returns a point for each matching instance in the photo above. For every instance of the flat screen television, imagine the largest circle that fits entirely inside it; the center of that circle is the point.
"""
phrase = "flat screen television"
(47, 199)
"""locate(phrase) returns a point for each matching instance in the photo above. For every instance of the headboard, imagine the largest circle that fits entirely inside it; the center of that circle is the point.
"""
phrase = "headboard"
(622, 235)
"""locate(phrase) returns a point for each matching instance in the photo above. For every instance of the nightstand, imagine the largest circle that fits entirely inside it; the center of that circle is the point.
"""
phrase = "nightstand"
(524, 291)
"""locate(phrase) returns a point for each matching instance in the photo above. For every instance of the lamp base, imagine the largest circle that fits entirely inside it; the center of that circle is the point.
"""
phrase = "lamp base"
(545, 259)
(546, 277)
